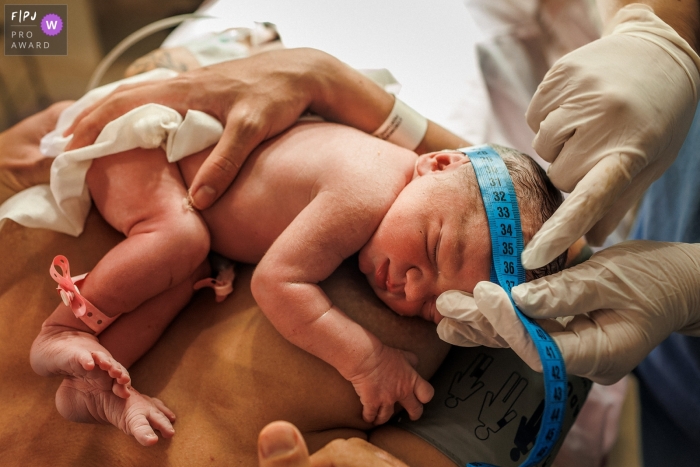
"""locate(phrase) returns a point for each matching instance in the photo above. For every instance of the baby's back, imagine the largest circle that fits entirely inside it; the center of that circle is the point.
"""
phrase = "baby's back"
(282, 176)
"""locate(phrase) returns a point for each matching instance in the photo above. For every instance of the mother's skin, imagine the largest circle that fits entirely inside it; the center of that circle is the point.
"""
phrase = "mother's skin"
(222, 368)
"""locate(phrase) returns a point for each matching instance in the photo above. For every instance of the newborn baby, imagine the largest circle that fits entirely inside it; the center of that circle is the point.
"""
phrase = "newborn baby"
(301, 204)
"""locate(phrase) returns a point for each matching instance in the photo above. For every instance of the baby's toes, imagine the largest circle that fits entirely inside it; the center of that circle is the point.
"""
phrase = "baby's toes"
(121, 390)
(120, 375)
(160, 422)
(166, 411)
(86, 362)
(113, 368)
(104, 361)
(142, 431)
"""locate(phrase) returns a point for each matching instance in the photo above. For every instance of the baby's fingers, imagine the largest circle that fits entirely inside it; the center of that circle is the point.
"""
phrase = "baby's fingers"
(369, 412)
(412, 406)
(386, 411)
(423, 390)
(163, 408)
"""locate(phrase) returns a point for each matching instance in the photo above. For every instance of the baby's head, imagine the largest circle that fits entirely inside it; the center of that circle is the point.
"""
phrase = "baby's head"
(435, 237)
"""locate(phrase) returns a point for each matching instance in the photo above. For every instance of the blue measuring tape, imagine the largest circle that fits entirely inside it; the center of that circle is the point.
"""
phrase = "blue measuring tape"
(507, 271)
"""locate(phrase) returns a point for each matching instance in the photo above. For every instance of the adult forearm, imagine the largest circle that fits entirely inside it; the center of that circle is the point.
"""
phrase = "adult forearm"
(681, 15)
(342, 94)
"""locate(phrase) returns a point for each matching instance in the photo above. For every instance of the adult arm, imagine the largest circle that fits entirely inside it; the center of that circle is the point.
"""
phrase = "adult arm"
(611, 117)
(257, 98)
(21, 163)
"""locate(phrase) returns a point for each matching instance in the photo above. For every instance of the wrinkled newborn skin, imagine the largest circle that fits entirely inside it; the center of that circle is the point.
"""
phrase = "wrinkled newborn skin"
(222, 367)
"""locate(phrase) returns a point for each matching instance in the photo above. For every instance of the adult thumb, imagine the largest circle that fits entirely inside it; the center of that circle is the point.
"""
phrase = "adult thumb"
(280, 444)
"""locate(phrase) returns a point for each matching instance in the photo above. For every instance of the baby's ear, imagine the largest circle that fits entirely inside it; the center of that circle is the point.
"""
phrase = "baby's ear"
(439, 161)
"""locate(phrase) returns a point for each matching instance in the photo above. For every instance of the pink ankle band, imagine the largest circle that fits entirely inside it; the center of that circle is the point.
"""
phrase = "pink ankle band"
(222, 285)
(70, 294)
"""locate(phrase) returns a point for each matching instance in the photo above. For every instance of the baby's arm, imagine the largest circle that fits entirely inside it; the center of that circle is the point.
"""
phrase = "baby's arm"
(285, 284)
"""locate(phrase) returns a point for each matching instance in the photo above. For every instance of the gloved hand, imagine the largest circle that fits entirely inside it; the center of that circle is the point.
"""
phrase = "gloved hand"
(625, 300)
(611, 118)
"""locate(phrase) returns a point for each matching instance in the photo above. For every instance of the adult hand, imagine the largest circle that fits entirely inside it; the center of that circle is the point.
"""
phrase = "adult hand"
(611, 118)
(280, 444)
(255, 98)
(21, 163)
(625, 300)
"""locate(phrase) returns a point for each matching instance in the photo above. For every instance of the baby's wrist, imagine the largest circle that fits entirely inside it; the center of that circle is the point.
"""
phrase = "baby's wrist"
(364, 363)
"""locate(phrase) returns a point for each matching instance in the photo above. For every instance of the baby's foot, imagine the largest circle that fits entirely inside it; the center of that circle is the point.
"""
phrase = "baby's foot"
(90, 399)
(59, 350)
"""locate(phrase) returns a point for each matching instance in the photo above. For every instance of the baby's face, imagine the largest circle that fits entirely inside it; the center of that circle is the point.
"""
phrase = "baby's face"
(434, 238)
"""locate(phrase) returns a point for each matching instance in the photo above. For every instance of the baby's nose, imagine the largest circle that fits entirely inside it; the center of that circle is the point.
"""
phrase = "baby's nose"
(416, 285)
(394, 288)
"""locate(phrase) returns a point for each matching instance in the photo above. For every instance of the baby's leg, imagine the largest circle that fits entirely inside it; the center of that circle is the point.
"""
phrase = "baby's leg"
(141, 195)
(90, 397)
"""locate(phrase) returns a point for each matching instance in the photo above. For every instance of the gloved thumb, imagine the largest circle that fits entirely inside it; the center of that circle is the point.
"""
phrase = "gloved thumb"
(280, 444)
(593, 196)
(496, 306)
(464, 324)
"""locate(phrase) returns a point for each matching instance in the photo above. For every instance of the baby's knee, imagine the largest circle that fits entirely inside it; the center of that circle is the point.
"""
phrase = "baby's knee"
(191, 242)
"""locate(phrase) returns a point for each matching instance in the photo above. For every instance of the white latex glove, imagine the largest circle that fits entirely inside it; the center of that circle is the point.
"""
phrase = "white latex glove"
(611, 118)
(484, 318)
(625, 300)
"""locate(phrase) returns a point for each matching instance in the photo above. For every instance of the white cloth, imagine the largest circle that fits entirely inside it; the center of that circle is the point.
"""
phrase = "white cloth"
(63, 205)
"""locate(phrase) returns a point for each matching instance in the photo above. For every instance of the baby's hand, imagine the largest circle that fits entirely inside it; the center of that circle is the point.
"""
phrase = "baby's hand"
(389, 377)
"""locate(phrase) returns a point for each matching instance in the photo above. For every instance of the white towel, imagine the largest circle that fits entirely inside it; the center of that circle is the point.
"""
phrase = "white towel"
(63, 205)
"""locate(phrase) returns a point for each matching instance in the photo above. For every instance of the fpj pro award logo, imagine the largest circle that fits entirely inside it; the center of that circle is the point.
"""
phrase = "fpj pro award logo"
(36, 29)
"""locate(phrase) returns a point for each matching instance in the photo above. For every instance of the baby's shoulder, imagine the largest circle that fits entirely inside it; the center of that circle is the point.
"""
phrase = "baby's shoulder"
(354, 161)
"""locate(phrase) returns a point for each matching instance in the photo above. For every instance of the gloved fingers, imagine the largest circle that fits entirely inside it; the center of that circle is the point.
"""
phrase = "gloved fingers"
(565, 293)
(552, 92)
(627, 200)
(646, 277)
(590, 200)
(464, 324)
(463, 334)
(457, 304)
(601, 346)
(554, 132)
(495, 304)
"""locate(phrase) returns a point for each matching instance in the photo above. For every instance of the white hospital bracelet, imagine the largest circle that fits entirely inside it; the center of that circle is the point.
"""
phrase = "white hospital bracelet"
(404, 126)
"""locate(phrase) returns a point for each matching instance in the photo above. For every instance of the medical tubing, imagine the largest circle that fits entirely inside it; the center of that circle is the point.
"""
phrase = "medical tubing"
(132, 39)
(503, 215)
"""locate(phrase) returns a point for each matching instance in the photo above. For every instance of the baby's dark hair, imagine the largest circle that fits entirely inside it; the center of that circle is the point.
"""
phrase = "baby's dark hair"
(537, 198)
